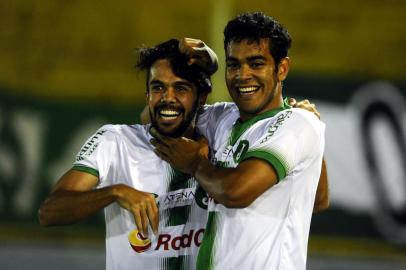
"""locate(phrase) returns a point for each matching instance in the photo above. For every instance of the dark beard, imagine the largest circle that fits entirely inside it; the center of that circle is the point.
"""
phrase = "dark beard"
(180, 130)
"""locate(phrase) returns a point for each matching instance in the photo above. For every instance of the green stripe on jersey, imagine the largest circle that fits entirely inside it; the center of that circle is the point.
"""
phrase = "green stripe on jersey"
(86, 170)
(177, 215)
(175, 263)
(179, 180)
(276, 162)
(205, 257)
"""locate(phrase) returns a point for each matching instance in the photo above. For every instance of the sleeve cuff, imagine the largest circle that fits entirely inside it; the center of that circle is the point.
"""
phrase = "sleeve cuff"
(270, 158)
(85, 169)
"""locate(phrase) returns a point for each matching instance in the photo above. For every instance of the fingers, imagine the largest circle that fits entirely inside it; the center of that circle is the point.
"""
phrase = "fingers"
(160, 147)
(138, 221)
(146, 213)
(155, 133)
(193, 48)
(204, 146)
(292, 102)
(304, 102)
(162, 144)
(190, 44)
(202, 140)
(159, 137)
(144, 219)
(153, 215)
(306, 105)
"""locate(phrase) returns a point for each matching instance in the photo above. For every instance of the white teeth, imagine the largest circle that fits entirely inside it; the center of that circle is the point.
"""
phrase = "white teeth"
(169, 114)
(168, 117)
(247, 89)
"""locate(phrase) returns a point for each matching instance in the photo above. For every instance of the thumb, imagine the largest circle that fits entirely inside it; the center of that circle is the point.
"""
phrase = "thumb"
(202, 140)
(204, 146)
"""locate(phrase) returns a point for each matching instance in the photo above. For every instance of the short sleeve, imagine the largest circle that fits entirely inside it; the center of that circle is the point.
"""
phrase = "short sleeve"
(295, 136)
(95, 155)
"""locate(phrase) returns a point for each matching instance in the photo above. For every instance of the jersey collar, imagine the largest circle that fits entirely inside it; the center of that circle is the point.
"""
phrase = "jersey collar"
(240, 127)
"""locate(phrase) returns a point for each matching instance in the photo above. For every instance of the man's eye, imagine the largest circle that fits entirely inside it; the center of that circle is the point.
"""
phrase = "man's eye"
(257, 64)
(181, 88)
(156, 88)
(232, 65)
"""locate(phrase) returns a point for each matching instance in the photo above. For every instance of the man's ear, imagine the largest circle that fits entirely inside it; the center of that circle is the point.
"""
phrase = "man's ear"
(283, 68)
(203, 98)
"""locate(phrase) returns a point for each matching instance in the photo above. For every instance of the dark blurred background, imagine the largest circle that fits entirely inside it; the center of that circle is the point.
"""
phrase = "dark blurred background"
(66, 68)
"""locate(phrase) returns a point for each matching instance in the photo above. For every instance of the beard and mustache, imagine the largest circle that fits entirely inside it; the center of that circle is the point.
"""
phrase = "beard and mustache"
(182, 127)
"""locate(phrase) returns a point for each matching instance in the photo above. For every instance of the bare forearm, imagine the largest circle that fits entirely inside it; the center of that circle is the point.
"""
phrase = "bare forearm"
(235, 187)
(67, 207)
(213, 180)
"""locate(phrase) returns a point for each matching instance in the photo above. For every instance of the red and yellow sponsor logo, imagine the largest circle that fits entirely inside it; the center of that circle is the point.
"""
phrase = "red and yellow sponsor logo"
(166, 242)
(138, 242)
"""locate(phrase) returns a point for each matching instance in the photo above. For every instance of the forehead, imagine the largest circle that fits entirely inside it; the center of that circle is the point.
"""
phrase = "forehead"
(248, 48)
(161, 70)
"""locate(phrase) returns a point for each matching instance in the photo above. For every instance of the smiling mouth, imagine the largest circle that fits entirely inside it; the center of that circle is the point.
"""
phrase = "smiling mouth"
(168, 114)
(247, 89)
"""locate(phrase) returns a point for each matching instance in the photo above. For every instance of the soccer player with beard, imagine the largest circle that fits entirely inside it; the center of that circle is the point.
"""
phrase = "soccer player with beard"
(155, 215)
(266, 157)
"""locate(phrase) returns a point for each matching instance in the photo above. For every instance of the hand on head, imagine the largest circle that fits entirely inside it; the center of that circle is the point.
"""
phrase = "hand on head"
(200, 54)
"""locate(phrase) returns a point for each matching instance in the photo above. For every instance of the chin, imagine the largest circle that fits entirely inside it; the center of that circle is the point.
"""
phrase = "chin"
(170, 132)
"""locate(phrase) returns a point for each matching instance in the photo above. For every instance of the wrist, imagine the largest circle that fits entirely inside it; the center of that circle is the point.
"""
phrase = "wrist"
(200, 165)
(116, 191)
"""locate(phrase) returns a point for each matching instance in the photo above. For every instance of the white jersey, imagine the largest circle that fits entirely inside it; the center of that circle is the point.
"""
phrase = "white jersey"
(272, 232)
(121, 154)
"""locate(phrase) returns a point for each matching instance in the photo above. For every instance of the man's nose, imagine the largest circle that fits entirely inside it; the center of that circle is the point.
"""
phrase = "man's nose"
(244, 73)
(169, 95)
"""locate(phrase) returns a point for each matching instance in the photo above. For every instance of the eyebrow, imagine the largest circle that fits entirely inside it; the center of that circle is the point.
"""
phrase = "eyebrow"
(256, 57)
(156, 82)
(250, 58)
(186, 83)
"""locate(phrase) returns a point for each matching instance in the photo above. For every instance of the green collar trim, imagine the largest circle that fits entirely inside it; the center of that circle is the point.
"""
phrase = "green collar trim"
(240, 127)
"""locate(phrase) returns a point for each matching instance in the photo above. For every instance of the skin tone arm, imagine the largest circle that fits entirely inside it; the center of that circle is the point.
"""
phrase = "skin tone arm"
(230, 187)
(322, 195)
(74, 198)
(226, 185)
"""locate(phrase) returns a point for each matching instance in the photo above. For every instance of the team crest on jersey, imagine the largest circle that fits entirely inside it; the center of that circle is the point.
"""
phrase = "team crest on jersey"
(242, 148)
(91, 145)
